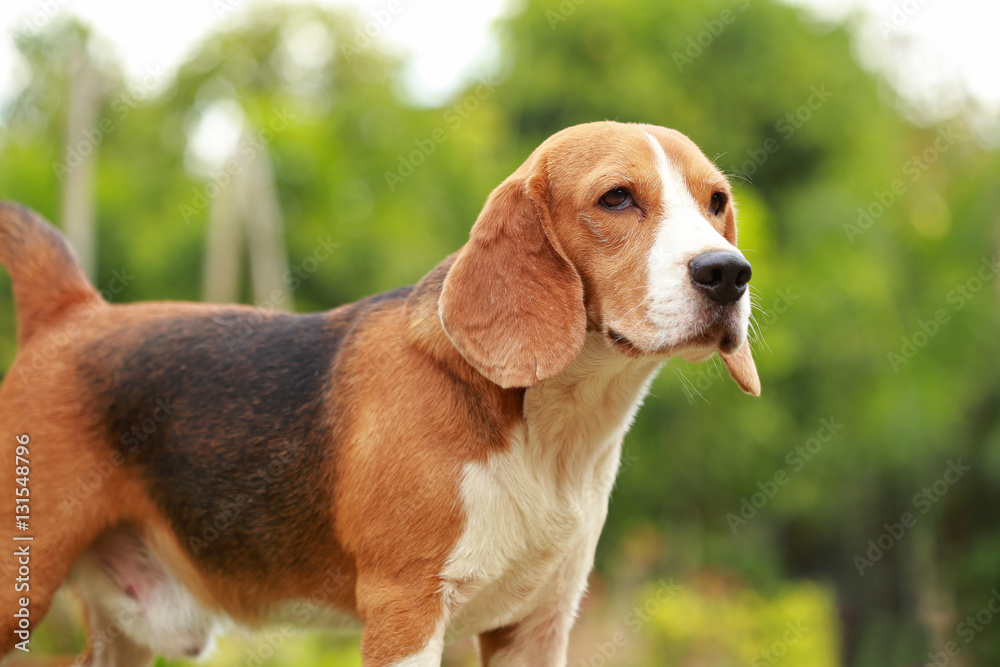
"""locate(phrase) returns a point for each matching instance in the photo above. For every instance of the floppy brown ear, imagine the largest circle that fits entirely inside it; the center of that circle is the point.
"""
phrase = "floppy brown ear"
(742, 368)
(512, 303)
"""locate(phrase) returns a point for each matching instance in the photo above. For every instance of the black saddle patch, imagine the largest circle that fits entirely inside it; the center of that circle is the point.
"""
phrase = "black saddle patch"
(227, 415)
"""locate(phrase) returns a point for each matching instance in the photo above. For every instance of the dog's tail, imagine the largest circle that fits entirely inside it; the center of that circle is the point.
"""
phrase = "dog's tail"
(44, 270)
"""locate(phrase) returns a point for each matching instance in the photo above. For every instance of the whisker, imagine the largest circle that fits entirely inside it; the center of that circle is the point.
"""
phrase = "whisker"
(688, 386)
(759, 335)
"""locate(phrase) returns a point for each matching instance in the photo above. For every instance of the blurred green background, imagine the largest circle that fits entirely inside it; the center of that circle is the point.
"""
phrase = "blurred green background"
(742, 531)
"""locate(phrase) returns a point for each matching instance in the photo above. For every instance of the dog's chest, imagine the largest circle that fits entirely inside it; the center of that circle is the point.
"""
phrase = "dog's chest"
(527, 533)
(534, 512)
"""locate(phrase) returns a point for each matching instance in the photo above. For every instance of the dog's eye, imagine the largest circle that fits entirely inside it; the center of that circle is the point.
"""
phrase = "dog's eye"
(718, 202)
(617, 199)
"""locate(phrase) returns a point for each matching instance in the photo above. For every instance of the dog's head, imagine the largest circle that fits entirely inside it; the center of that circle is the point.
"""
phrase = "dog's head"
(627, 230)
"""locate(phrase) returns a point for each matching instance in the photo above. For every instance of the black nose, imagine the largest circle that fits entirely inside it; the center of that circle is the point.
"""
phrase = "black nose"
(721, 274)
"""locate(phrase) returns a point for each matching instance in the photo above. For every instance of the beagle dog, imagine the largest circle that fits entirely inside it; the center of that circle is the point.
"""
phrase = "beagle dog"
(429, 463)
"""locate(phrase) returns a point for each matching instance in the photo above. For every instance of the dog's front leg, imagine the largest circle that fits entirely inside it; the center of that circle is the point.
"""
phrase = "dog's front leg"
(109, 646)
(541, 640)
(403, 622)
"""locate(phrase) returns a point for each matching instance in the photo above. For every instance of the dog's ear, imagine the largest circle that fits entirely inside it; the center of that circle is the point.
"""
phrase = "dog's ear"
(512, 303)
(742, 368)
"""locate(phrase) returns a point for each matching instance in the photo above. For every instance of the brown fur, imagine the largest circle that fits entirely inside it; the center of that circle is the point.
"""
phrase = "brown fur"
(512, 302)
(494, 641)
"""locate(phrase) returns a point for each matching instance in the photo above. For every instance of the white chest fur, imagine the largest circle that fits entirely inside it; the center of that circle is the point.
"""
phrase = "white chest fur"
(534, 512)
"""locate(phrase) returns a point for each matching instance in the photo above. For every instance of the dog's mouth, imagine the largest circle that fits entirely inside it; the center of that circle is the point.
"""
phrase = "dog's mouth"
(720, 333)
(620, 341)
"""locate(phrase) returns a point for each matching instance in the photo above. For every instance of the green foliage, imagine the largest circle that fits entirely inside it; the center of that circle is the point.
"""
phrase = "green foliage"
(797, 626)
(844, 279)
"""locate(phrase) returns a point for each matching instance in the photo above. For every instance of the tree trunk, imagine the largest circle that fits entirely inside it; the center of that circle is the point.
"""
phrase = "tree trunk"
(79, 156)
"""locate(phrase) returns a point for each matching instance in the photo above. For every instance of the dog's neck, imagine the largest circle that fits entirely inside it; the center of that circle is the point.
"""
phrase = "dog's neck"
(579, 417)
(575, 419)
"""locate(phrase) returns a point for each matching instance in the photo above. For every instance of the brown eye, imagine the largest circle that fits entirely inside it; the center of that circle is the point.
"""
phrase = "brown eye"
(718, 202)
(617, 199)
